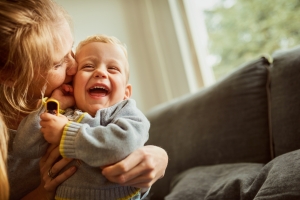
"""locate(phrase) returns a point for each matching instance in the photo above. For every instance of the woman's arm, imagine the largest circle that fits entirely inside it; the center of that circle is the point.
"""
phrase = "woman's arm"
(140, 169)
(46, 190)
(29, 141)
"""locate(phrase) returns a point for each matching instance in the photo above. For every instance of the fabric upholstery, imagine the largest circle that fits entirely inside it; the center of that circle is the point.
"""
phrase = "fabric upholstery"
(225, 181)
(285, 107)
(277, 180)
(225, 123)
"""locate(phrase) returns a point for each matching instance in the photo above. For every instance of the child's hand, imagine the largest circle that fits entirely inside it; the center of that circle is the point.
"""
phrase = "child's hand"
(52, 127)
(64, 94)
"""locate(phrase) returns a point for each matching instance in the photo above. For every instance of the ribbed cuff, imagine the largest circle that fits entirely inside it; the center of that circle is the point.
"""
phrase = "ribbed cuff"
(112, 193)
(67, 142)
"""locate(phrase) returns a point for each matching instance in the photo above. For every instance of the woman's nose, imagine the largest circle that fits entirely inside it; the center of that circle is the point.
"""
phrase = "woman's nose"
(72, 68)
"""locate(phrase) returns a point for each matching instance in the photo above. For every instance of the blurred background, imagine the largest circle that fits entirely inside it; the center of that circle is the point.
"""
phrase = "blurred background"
(177, 47)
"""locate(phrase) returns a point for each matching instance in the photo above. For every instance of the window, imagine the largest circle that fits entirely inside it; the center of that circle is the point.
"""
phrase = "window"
(241, 30)
(177, 47)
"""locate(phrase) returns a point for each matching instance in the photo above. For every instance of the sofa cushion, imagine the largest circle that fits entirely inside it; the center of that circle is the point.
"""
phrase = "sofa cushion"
(226, 181)
(277, 180)
(285, 95)
(225, 123)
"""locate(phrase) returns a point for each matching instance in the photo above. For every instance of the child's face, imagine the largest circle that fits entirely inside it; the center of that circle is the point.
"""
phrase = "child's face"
(100, 81)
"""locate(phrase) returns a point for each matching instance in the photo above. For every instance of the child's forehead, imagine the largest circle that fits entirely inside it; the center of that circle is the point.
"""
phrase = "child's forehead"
(100, 45)
(101, 50)
(87, 51)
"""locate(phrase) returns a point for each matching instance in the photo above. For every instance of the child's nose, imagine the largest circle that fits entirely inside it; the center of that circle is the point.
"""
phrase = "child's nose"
(100, 73)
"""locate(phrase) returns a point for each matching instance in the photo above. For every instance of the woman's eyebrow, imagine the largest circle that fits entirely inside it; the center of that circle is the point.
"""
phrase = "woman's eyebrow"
(68, 52)
(61, 60)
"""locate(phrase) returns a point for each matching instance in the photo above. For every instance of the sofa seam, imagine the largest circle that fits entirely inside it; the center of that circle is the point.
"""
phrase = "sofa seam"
(268, 91)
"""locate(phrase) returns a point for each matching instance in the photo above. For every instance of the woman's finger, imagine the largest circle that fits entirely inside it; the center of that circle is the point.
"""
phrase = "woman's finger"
(53, 154)
(140, 169)
(123, 166)
(52, 184)
(50, 165)
(145, 180)
(58, 166)
(137, 164)
(50, 157)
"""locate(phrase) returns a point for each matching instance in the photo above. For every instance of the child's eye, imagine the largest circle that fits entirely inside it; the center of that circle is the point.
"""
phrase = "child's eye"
(113, 68)
(87, 67)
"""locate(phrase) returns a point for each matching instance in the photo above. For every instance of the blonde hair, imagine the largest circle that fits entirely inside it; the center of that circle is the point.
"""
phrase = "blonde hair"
(4, 186)
(29, 32)
(105, 39)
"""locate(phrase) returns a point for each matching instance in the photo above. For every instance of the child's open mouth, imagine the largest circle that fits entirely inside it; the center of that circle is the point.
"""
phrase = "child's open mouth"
(98, 91)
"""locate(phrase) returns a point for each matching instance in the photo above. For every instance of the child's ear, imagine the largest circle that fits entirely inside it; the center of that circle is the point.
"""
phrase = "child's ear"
(128, 91)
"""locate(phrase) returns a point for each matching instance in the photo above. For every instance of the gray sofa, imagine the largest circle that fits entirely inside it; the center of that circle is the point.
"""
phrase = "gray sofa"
(237, 139)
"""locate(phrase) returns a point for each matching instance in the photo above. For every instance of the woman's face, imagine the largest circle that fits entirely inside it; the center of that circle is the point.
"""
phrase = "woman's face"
(64, 67)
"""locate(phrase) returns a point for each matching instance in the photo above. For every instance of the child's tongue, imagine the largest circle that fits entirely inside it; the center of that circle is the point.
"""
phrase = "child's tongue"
(98, 92)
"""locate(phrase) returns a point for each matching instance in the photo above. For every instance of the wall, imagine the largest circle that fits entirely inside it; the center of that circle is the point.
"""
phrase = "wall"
(146, 27)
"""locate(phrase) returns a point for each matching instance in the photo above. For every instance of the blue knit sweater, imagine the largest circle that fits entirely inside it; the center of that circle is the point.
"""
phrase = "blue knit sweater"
(108, 137)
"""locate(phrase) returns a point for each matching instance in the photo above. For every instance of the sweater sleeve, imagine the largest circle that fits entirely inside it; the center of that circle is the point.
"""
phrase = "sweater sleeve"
(108, 138)
(29, 141)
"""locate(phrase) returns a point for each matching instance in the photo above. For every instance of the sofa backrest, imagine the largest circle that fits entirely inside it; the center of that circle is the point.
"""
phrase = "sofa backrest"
(224, 123)
(285, 100)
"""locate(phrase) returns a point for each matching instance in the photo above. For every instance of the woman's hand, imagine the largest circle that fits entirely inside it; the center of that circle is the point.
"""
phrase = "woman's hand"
(46, 190)
(141, 168)
(49, 163)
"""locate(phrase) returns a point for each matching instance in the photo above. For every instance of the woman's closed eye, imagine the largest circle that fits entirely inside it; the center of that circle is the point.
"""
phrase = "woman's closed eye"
(65, 61)
(58, 65)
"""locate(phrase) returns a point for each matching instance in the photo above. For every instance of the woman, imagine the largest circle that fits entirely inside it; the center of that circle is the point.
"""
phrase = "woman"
(4, 189)
(35, 59)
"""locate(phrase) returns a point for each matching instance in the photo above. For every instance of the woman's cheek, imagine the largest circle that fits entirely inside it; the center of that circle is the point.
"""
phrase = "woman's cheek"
(68, 79)
(55, 80)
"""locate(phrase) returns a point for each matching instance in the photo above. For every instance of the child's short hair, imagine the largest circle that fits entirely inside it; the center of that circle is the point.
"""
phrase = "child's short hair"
(104, 39)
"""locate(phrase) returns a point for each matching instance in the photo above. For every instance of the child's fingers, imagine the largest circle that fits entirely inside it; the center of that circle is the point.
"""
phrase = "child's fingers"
(67, 88)
(46, 116)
